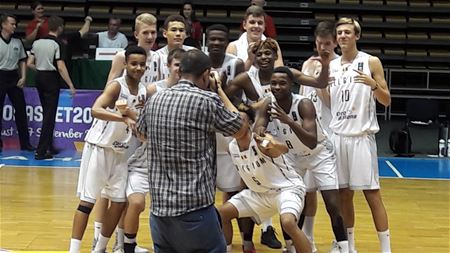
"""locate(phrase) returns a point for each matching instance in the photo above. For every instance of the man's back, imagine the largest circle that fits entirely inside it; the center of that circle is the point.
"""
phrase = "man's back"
(181, 123)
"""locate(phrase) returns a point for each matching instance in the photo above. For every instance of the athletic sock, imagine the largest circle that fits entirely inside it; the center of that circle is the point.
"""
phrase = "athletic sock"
(351, 239)
(97, 229)
(343, 246)
(74, 245)
(229, 246)
(308, 227)
(101, 243)
(129, 238)
(290, 246)
(385, 241)
(119, 237)
(265, 224)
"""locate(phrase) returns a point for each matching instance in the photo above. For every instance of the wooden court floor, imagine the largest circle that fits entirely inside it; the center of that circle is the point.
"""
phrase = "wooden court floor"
(37, 206)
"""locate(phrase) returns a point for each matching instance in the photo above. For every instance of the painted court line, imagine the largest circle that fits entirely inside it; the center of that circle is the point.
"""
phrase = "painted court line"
(394, 169)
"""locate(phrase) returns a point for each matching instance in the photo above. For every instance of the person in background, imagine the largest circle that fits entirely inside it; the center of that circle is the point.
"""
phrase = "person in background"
(38, 27)
(193, 26)
(254, 25)
(12, 78)
(46, 59)
(112, 38)
(270, 29)
(174, 30)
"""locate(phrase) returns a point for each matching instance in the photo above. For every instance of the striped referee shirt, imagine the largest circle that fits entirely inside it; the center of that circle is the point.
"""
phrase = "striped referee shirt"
(180, 124)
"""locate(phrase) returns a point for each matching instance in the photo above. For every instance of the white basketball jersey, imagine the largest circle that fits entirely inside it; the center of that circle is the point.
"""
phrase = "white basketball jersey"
(229, 68)
(114, 134)
(151, 73)
(263, 90)
(323, 112)
(283, 132)
(242, 46)
(353, 106)
(161, 85)
(163, 53)
(262, 173)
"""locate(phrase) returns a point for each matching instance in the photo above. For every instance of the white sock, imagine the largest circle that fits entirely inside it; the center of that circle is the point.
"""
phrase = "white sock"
(74, 245)
(229, 246)
(101, 243)
(351, 239)
(308, 227)
(129, 240)
(97, 229)
(265, 224)
(290, 246)
(385, 241)
(120, 237)
(343, 246)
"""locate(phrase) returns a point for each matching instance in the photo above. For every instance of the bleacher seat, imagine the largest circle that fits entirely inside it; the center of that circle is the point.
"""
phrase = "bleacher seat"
(165, 12)
(396, 2)
(372, 2)
(419, 3)
(150, 10)
(417, 36)
(122, 11)
(8, 6)
(237, 14)
(394, 51)
(213, 13)
(98, 10)
(324, 16)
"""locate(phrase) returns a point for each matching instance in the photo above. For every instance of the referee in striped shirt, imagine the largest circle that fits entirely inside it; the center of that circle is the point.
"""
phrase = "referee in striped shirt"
(181, 124)
(46, 58)
(12, 62)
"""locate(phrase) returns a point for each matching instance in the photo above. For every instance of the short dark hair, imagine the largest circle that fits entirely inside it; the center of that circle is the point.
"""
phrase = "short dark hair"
(134, 50)
(54, 22)
(285, 70)
(173, 18)
(217, 27)
(194, 62)
(5, 17)
(35, 4)
(114, 18)
(177, 53)
(255, 11)
(325, 28)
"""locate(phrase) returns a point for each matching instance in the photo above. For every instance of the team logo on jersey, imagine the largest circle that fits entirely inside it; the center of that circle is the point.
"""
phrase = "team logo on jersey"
(360, 66)
(294, 116)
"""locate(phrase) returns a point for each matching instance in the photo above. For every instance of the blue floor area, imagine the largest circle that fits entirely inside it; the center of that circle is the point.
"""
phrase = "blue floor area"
(421, 168)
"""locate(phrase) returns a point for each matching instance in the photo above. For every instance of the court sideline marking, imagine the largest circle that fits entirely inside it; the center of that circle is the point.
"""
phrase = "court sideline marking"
(394, 169)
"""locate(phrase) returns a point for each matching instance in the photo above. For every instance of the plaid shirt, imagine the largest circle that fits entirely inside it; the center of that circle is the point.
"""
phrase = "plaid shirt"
(180, 124)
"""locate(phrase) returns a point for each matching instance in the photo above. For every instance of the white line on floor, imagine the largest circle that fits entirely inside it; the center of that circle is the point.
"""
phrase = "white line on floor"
(394, 169)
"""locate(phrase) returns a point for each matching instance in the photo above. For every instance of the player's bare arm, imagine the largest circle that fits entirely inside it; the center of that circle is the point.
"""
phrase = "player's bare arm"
(306, 131)
(376, 82)
(242, 82)
(117, 66)
(262, 118)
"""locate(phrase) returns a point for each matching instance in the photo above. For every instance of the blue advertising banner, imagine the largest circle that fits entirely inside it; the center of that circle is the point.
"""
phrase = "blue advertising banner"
(73, 119)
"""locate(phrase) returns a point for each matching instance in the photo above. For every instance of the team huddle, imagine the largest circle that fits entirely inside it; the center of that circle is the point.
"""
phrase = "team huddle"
(179, 123)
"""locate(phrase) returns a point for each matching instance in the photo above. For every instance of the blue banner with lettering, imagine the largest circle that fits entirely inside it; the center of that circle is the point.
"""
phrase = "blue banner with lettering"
(73, 119)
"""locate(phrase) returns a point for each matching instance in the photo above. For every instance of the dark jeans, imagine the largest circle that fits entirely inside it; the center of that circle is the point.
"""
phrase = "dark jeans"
(48, 86)
(8, 86)
(197, 231)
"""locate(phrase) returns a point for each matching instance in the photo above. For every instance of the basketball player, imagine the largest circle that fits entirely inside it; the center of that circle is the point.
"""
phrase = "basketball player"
(325, 41)
(254, 25)
(256, 82)
(357, 81)
(137, 185)
(174, 30)
(292, 125)
(273, 187)
(145, 34)
(103, 162)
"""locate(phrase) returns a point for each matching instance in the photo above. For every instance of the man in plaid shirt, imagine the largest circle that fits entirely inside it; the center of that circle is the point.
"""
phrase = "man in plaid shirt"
(180, 124)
